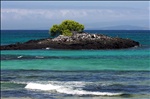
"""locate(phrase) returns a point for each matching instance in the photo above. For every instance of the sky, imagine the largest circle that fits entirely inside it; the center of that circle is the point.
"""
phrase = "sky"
(41, 15)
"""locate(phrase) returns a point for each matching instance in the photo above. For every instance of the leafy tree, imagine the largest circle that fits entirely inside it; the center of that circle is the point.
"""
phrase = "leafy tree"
(55, 29)
(66, 28)
(67, 33)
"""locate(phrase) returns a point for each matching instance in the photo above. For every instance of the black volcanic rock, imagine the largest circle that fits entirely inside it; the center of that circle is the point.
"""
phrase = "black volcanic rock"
(77, 41)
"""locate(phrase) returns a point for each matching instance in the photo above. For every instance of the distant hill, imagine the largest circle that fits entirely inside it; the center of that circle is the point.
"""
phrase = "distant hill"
(125, 27)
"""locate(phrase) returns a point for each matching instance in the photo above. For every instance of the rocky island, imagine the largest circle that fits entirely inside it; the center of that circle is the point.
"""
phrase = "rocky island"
(72, 36)
(76, 41)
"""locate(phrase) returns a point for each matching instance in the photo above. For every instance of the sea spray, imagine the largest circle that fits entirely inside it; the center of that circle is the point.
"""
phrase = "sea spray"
(67, 90)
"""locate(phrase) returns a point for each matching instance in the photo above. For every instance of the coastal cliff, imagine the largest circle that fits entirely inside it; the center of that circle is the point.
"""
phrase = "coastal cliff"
(76, 41)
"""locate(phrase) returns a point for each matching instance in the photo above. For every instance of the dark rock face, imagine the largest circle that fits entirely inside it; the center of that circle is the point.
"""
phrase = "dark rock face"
(77, 41)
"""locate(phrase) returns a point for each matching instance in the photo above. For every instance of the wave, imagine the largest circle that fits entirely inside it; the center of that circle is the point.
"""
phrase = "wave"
(68, 89)
(29, 57)
(81, 88)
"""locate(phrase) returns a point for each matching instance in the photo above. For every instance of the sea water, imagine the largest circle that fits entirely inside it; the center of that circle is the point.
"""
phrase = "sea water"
(75, 74)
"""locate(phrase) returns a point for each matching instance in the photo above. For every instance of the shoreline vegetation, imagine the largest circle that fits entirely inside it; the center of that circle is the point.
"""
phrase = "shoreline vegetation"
(70, 35)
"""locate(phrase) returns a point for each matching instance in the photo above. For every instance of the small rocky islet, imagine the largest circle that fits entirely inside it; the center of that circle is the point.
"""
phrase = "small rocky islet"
(75, 42)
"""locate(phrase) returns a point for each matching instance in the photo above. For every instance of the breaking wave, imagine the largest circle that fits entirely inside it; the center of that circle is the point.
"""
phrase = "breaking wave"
(70, 89)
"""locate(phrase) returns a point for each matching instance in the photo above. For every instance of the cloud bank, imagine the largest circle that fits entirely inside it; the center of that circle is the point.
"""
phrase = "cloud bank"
(47, 17)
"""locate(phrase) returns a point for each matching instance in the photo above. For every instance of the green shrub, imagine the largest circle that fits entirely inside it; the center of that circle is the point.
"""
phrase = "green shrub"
(66, 27)
(54, 30)
(67, 33)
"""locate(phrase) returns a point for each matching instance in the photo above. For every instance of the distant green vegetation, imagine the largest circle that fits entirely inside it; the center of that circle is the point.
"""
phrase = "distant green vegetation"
(66, 28)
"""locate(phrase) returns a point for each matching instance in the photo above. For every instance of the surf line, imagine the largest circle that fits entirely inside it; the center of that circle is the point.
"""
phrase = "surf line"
(67, 90)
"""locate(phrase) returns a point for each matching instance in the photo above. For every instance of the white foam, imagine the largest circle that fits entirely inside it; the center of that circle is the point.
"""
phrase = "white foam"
(47, 48)
(19, 56)
(67, 90)
(69, 83)
(41, 86)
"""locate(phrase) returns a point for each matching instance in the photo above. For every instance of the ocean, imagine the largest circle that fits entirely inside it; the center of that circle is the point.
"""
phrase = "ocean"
(75, 74)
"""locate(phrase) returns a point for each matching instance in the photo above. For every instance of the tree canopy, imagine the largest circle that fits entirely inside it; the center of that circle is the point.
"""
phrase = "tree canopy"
(66, 28)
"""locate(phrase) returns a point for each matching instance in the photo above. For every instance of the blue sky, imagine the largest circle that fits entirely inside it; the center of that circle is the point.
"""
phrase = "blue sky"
(93, 14)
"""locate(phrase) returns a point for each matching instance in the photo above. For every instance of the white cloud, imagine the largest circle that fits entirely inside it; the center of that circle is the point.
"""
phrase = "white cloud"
(60, 13)
(84, 15)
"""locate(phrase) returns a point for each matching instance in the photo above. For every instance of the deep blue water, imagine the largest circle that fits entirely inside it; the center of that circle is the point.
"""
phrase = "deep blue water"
(75, 74)
(13, 36)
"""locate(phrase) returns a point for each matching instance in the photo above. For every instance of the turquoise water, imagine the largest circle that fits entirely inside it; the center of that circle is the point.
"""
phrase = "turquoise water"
(129, 59)
(75, 74)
